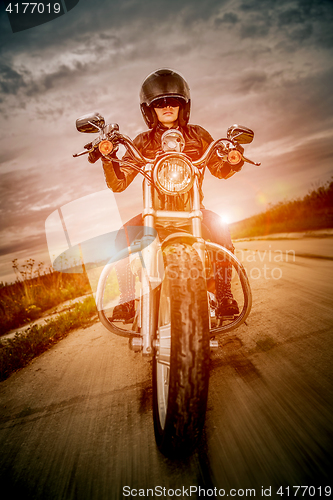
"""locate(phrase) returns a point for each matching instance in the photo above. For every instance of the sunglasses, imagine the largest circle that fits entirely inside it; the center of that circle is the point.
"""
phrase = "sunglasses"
(167, 101)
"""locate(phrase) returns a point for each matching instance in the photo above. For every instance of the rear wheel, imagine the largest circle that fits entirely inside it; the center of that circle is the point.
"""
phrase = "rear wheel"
(181, 362)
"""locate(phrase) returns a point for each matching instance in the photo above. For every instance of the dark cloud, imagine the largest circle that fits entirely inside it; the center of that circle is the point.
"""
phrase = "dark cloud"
(290, 16)
(255, 30)
(307, 102)
(10, 80)
(227, 18)
(285, 110)
(305, 7)
(324, 35)
(56, 78)
(110, 16)
(293, 21)
(252, 80)
(259, 5)
(310, 156)
(155, 10)
(23, 244)
(301, 34)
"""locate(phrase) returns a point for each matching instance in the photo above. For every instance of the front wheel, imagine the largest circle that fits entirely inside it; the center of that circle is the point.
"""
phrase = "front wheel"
(181, 362)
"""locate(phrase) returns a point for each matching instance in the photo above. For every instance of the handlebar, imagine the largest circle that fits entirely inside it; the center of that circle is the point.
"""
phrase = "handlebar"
(75, 155)
(111, 132)
(132, 149)
(257, 164)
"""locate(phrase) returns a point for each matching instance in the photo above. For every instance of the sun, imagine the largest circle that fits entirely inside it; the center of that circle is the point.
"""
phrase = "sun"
(225, 218)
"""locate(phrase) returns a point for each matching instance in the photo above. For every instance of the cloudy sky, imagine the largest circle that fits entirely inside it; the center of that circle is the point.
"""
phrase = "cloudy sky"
(264, 64)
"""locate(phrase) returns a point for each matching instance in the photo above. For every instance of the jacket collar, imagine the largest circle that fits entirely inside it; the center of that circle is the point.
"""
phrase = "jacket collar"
(160, 129)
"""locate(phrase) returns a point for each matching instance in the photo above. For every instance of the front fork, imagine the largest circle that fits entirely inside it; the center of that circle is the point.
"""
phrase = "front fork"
(196, 216)
(150, 271)
(150, 277)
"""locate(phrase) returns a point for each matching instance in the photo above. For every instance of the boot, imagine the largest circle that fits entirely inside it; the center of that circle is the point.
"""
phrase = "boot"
(125, 310)
(226, 304)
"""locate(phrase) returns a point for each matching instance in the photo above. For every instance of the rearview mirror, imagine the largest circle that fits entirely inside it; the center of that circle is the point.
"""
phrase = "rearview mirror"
(90, 123)
(240, 134)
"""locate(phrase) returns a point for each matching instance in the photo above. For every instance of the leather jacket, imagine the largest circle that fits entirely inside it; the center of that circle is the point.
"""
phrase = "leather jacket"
(197, 139)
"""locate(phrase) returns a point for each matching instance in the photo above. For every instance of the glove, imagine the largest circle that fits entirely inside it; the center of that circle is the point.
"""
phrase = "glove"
(93, 156)
(96, 154)
(238, 167)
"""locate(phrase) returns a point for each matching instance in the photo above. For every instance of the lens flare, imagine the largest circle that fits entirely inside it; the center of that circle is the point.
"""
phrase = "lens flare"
(225, 218)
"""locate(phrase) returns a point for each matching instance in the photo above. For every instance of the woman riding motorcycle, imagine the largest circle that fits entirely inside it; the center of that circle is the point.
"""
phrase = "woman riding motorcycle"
(165, 103)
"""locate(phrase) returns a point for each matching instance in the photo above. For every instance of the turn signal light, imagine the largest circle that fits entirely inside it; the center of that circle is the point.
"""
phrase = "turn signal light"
(234, 157)
(105, 147)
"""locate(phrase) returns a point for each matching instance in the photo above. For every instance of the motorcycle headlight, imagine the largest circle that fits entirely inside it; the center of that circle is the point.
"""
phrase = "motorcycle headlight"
(174, 175)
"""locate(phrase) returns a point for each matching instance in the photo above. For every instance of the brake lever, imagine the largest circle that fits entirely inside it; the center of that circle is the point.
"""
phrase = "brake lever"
(257, 164)
(75, 155)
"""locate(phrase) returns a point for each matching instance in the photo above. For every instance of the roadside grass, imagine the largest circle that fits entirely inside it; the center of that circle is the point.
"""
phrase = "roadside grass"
(313, 211)
(36, 290)
(17, 352)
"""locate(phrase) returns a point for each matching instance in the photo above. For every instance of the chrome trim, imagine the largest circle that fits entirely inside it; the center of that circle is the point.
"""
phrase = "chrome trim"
(245, 287)
(169, 214)
(126, 141)
(100, 294)
(173, 140)
(148, 211)
(214, 345)
(209, 151)
(149, 255)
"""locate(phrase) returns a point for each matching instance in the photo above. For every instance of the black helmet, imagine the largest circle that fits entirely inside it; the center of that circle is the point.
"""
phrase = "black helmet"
(164, 83)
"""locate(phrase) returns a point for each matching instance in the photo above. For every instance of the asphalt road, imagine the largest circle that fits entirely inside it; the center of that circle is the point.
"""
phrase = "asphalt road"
(77, 422)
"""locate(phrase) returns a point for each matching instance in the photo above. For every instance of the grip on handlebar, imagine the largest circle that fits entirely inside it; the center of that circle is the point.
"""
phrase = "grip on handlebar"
(94, 156)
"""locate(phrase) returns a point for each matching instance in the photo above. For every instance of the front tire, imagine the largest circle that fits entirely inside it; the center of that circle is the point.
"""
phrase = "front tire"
(181, 362)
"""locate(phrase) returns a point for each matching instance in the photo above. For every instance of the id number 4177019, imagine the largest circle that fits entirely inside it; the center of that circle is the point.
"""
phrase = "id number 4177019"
(304, 491)
(32, 7)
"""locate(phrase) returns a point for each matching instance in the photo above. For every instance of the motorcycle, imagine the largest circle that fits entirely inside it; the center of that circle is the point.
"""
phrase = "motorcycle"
(175, 323)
